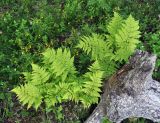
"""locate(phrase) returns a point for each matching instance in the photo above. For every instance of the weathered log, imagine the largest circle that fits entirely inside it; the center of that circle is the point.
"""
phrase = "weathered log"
(131, 92)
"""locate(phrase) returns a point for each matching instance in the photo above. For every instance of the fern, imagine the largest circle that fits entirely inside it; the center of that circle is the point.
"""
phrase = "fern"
(56, 81)
(61, 62)
(92, 84)
(48, 56)
(50, 98)
(118, 45)
(127, 38)
(95, 46)
(57, 94)
(39, 75)
(113, 28)
(29, 94)
(115, 24)
(108, 66)
(52, 79)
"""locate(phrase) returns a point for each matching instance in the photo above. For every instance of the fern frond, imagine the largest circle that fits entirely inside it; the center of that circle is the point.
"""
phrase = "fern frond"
(94, 45)
(113, 27)
(63, 64)
(95, 67)
(91, 86)
(39, 75)
(108, 67)
(127, 38)
(28, 94)
(59, 62)
(48, 56)
(76, 90)
(53, 80)
(50, 98)
(27, 76)
(115, 24)
(57, 94)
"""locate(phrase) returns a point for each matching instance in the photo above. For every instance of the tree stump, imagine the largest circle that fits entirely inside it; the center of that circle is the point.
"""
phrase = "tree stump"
(131, 92)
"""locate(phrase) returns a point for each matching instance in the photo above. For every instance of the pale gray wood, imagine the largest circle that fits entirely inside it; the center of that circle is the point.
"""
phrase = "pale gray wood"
(131, 92)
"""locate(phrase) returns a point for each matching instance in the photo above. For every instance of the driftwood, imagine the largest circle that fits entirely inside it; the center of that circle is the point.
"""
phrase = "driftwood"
(131, 92)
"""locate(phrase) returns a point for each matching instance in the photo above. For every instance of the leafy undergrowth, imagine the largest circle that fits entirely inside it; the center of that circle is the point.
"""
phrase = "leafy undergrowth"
(56, 80)
(28, 27)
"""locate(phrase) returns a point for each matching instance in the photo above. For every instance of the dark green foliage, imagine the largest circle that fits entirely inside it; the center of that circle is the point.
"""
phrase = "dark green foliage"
(105, 120)
(28, 27)
(153, 45)
(6, 103)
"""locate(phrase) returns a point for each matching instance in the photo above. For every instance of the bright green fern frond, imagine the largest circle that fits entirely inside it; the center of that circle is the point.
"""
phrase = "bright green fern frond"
(127, 39)
(76, 89)
(53, 80)
(95, 67)
(119, 45)
(63, 64)
(50, 98)
(95, 46)
(48, 56)
(59, 62)
(115, 24)
(113, 28)
(57, 94)
(108, 67)
(105, 66)
(39, 75)
(64, 93)
(27, 76)
(29, 94)
(91, 87)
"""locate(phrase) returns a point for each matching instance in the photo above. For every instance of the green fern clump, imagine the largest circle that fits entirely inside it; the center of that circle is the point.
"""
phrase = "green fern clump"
(115, 47)
(57, 81)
